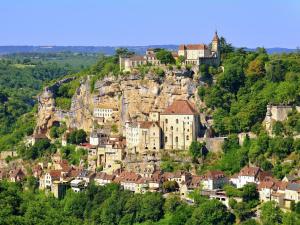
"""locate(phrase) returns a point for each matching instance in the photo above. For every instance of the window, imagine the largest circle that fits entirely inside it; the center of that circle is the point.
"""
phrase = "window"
(171, 127)
(176, 139)
(166, 120)
(177, 121)
(166, 139)
(187, 137)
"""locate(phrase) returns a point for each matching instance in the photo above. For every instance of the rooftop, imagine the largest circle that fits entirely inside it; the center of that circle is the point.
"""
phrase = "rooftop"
(181, 107)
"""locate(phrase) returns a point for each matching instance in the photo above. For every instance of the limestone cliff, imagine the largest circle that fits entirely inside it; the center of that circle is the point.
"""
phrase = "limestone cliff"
(134, 97)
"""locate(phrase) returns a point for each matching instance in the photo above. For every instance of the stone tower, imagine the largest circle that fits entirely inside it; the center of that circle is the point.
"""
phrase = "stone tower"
(215, 45)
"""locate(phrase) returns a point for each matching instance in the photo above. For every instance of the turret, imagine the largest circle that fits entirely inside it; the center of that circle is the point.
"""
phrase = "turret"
(215, 44)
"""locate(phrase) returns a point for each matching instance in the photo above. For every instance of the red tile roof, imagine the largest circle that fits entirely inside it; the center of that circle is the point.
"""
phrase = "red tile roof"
(213, 175)
(55, 174)
(193, 47)
(147, 124)
(104, 176)
(250, 171)
(181, 107)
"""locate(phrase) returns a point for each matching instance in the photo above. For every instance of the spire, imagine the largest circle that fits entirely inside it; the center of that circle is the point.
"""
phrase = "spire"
(216, 37)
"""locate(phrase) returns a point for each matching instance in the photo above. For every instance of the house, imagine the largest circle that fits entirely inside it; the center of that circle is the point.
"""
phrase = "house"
(213, 180)
(111, 152)
(247, 175)
(180, 125)
(128, 63)
(103, 178)
(37, 171)
(86, 176)
(59, 188)
(130, 181)
(105, 111)
(155, 181)
(78, 185)
(49, 178)
(3, 174)
(190, 185)
(180, 177)
(149, 136)
(197, 54)
(37, 137)
(16, 175)
(292, 192)
(132, 134)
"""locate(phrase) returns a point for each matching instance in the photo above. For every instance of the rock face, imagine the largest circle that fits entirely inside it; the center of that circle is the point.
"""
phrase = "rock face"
(137, 97)
(134, 97)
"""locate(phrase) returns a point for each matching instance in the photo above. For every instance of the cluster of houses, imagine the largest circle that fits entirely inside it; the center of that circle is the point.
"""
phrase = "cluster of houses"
(194, 54)
(59, 175)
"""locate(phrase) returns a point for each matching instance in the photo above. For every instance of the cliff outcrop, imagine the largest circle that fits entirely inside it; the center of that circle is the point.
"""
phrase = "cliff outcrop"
(133, 96)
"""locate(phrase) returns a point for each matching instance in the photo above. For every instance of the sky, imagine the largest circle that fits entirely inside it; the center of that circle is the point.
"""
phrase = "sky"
(244, 23)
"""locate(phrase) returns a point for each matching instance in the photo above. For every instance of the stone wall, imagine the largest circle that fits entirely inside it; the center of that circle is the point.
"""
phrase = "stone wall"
(213, 144)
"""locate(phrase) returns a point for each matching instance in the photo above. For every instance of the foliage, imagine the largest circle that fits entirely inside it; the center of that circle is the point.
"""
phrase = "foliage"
(270, 213)
(211, 212)
(41, 148)
(165, 57)
(196, 149)
(170, 186)
(22, 77)
(77, 137)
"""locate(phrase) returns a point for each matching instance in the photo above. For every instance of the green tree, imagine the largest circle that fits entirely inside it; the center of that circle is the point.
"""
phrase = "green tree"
(165, 57)
(270, 213)
(211, 212)
(196, 149)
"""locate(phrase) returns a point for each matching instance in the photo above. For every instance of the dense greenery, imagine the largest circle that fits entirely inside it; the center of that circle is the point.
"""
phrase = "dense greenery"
(109, 205)
(22, 77)
(251, 80)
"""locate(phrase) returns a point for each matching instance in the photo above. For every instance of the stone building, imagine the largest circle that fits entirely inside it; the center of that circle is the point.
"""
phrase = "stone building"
(197, 54)
(149, 136)
(180, 125)
(105, 112)
(143, 135)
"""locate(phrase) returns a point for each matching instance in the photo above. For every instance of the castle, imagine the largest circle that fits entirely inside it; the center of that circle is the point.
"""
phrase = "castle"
(194, 54)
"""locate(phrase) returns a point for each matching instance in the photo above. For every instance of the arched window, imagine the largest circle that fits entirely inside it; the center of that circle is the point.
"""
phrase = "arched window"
(177, 121)
(171, 127)
(187, 137)
(166, 139)
(166, 120)
(176, 139)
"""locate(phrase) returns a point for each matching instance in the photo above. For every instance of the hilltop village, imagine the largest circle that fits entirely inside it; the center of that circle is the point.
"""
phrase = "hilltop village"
(126, 129)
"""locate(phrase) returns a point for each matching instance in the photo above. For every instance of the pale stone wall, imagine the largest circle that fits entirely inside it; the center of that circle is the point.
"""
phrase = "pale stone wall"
(149, 139)
(213, 144)
(179, 130)
(280, 113)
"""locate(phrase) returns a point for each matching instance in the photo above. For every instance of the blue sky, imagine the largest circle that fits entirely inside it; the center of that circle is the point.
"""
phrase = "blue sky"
(251, 23)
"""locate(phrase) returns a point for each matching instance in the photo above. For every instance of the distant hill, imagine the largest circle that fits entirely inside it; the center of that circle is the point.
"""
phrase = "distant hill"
(107, 50)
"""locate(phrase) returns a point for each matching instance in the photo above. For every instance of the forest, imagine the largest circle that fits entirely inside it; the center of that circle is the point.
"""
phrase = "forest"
(22, 77)
(109, 205)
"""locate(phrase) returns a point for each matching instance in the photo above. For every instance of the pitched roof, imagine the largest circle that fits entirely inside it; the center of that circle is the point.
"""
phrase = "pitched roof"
(293, 186)
(16, 172)
(181, 107)
(193, 47)
(104, 176)
(213, 175)
(216, 37)
(249, 171)
(147, 124)
(55, 174)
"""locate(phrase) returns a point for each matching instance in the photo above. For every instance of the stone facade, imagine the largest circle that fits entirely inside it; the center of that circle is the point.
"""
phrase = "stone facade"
(180, 125)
